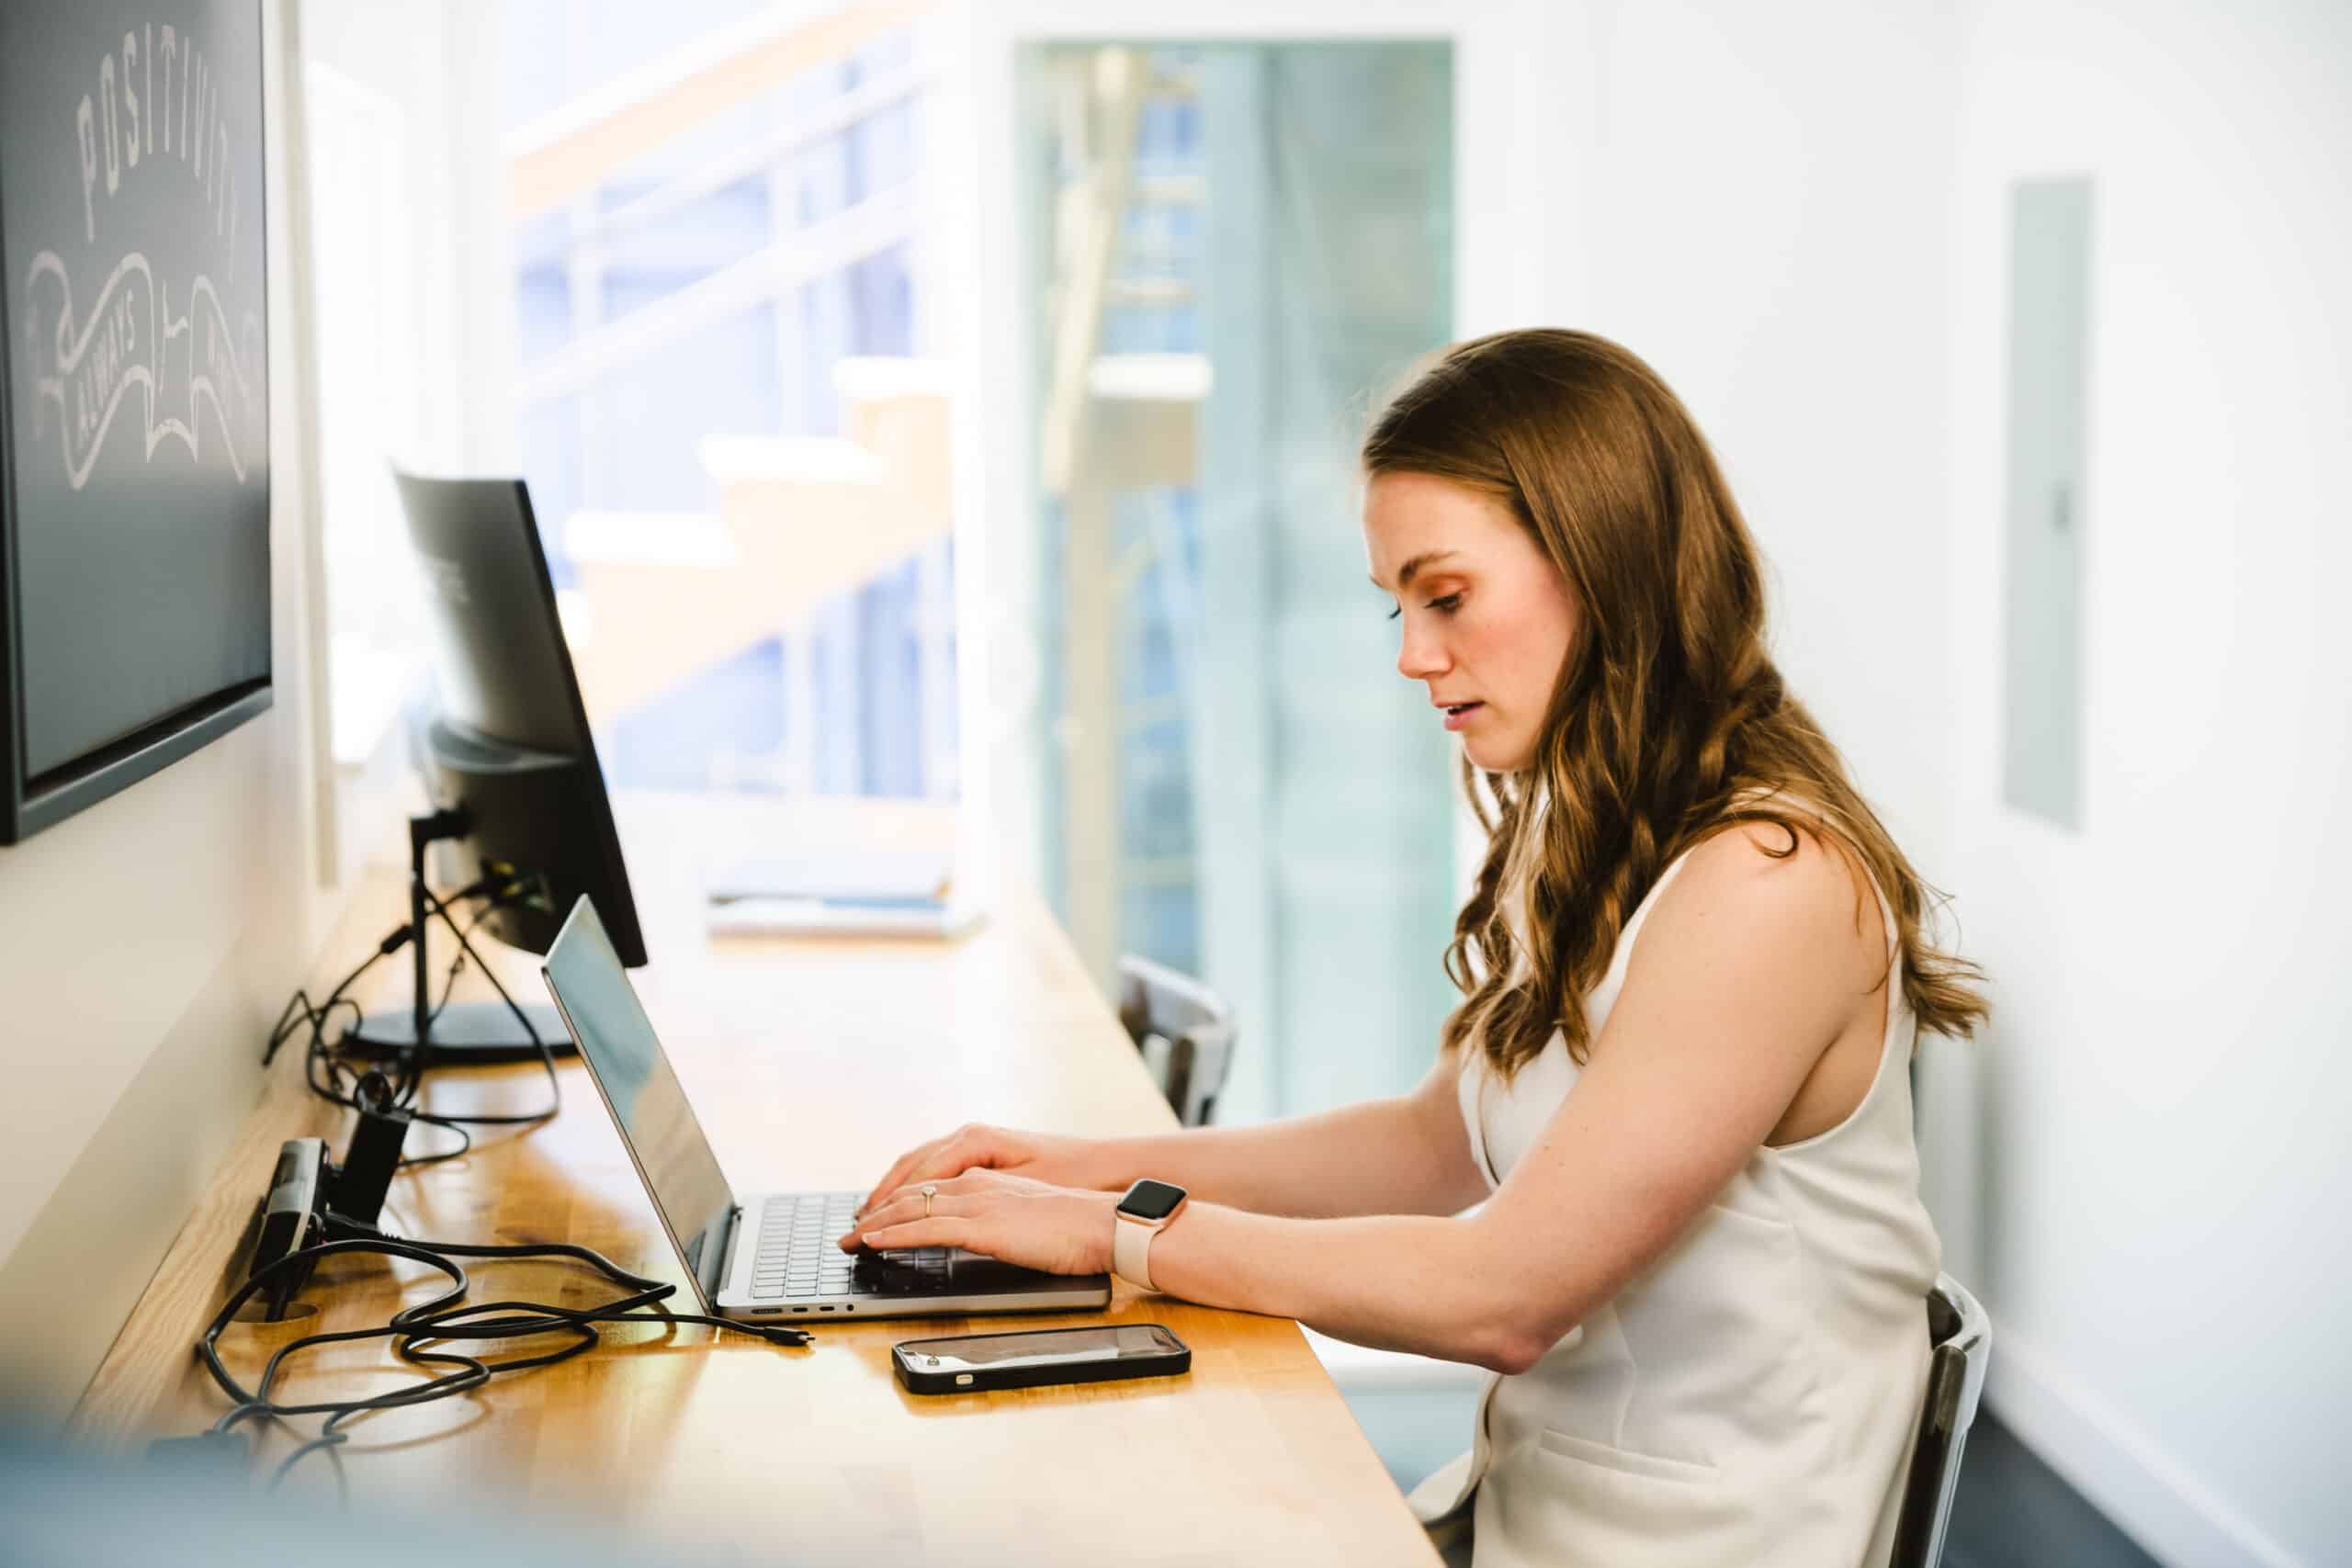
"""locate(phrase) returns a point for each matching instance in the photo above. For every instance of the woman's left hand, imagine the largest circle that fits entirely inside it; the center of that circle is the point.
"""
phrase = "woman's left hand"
(1060, 1229)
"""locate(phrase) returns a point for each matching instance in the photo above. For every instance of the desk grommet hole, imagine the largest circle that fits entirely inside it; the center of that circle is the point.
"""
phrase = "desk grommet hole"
(254, 1316)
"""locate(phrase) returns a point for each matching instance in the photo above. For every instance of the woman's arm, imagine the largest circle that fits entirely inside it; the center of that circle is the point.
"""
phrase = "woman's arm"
(1746, 971)
(1306, 1166)
(1315, 1167)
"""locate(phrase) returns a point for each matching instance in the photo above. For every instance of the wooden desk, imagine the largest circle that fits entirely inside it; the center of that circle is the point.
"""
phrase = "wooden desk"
(811, 1062)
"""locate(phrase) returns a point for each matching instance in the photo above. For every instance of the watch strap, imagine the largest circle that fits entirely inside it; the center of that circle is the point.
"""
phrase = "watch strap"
(1131, 1251)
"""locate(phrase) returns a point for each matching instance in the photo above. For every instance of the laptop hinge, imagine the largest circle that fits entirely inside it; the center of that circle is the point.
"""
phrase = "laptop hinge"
(714, 1285)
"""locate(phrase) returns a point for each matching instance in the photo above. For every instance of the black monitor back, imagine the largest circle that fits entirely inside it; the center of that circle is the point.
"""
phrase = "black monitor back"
(509, 742)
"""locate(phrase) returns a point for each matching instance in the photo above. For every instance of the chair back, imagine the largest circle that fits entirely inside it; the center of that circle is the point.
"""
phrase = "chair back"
(1962, 1335)
(1184, 1032)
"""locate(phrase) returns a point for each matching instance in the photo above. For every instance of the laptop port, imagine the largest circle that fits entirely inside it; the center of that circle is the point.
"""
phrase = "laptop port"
(826, 1308)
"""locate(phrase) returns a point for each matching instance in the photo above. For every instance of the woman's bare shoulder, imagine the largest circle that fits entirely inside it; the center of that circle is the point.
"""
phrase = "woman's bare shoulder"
(1791, 886)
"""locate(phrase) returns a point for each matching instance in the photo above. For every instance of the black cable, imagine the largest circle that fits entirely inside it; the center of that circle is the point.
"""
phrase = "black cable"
(465, 1146)
(299, 1009)
(547, 1053)
(417, 1331)
(329, 1437)
(449, 989)
(449, 981)
(408, 1065)
(329, 1077)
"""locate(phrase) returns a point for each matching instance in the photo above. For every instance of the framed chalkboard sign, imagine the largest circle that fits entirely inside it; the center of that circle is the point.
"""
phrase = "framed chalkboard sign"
(134, 413)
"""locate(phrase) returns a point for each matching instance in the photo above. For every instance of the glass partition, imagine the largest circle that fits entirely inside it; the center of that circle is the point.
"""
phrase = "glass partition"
(1235, 249)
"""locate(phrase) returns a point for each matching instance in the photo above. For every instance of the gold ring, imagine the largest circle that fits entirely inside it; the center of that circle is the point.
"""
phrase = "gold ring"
(928, 1189)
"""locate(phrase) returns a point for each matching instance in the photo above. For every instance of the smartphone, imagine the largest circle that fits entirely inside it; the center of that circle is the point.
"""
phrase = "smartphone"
(967, 1363)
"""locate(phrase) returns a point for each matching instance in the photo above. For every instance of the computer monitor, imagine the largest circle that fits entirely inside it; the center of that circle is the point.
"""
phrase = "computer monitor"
(507, 747)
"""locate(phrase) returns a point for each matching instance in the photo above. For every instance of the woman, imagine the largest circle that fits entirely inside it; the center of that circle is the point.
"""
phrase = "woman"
(1697, 1256)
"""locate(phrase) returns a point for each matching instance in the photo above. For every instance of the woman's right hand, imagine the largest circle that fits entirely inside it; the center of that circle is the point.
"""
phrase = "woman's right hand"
(1044, 1156)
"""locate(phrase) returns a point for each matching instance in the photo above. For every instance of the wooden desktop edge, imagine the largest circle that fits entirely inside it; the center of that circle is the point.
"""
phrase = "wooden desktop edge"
(148, 1370)
(154, 1350)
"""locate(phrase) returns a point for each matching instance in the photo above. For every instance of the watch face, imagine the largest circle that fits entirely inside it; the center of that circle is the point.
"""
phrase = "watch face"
(1150, 1200)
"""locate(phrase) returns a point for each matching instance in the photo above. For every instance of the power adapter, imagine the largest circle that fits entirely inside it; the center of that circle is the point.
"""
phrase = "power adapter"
(355, 1190)
(306, 1187)
(291, 1218)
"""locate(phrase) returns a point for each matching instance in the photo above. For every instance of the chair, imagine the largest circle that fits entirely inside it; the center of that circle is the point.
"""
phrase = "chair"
(1962, 1336)
(1184, 1032)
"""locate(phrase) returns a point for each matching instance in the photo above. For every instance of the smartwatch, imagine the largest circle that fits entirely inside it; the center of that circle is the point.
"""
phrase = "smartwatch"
(1142, 1214)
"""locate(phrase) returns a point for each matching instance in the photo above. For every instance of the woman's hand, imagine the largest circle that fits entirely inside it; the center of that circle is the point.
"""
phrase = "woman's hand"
(1060, 1230)
(971, 1146)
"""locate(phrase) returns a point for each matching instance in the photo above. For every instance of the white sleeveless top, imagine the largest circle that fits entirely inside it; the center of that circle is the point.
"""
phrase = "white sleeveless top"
(1753, 1396)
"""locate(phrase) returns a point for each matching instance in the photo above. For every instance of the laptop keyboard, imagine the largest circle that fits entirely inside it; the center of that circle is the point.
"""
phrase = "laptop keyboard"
(796, 1259)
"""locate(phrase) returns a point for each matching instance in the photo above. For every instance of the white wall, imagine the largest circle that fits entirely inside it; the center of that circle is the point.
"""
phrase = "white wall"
(439, 63)
(415, 345)
(1758, 201)
(1798, 215)
(147, 944)
(1758, 197)
(2165, 1083)
(149, 941)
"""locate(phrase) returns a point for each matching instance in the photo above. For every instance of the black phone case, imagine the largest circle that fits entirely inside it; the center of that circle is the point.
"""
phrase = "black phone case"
(919, 1382)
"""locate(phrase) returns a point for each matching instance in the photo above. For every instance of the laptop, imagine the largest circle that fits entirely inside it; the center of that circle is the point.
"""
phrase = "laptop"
(759, 1256)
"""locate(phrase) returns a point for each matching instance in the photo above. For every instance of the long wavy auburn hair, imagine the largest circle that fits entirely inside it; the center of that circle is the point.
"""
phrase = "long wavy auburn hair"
(1668, 723)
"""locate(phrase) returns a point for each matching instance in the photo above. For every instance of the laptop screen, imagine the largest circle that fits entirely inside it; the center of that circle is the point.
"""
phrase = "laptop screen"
(616, 1041)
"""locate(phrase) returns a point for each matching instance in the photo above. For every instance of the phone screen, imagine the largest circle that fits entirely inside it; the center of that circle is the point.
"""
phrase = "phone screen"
(1057, 1348)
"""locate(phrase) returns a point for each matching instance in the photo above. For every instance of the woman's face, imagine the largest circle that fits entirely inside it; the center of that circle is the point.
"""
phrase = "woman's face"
(1487, 619)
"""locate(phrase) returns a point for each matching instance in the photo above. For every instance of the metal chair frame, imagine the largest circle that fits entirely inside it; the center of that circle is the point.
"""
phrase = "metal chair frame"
(1962, 1336)
(1184, 1032)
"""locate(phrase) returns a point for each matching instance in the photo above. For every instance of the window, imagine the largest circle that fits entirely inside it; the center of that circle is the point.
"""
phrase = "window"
(1237, 248)
(736, 453)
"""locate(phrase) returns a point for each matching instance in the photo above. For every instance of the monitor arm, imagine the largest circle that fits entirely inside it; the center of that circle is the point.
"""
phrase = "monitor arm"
(424, 831)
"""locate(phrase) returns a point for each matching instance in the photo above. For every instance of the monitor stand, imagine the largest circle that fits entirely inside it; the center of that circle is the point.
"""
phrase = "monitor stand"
(457, 1034)
(464, 1034)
